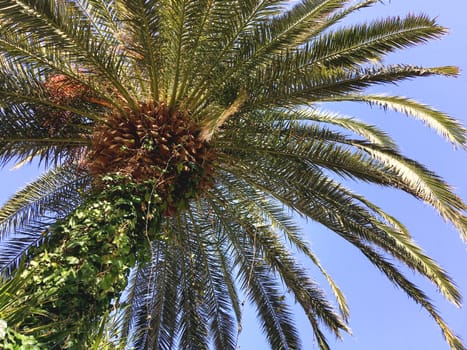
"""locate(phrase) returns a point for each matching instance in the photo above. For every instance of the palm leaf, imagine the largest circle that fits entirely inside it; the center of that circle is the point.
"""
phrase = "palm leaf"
(446, 126)
(25, 217)
(367, 43)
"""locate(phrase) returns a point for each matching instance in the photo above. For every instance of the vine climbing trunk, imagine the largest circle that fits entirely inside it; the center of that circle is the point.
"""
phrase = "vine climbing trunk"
(85, 266)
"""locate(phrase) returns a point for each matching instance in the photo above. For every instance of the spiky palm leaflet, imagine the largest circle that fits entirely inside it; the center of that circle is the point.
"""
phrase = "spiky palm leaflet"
(83, 85)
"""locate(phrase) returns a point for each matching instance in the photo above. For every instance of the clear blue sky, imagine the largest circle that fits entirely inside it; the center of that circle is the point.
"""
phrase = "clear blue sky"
(382, 317)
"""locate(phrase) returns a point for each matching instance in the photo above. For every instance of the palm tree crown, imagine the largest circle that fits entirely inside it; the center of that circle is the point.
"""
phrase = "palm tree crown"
(179, 139)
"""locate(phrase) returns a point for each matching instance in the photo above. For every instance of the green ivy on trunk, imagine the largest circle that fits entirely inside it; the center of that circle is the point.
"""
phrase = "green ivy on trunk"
(88, 257)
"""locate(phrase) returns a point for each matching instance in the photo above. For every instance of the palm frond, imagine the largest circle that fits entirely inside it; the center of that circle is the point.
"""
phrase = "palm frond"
(367, 43)
(287, 86)
(106, 336)
(413, 291)
(377, 164)
(267, 247)
(341, 226)
(446, 126)
(274, 216)
(424, 184)
(227, 33)
(324, 203)
(285, 32)
(57, 192)
(18, 247)
(63, 26)
(218, 281)
(193, 314)
(153, 302)
(26, 138)
(181, 19)
(25, 217)
(143, 41)
(13, 307)
(369, 132)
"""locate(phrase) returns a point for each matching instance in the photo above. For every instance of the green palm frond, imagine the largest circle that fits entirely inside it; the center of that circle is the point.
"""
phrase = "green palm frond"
(446, 126)
(153, 303)
(21, 86)
(356, 234)
(267, 248)
(156, 285)
(367, 43)
(327, 194)
(423, 184)
(106, 335)
(395, 276)
(390, 167)
(56, 192)
(218, 281)
(63, 26)
(15, 248)
(289, 86)
(141, 20)
(274, 216)
(284, 32)
(25, 140)
(369, 132)
(25, 217)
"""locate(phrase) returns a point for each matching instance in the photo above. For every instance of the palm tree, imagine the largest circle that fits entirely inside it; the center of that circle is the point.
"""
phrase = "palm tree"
(179, 140)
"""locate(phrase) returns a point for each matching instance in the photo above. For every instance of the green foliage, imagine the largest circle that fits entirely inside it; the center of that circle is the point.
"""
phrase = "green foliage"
(251, 75)
(12, 340)
(87, 259)
(15, 306)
